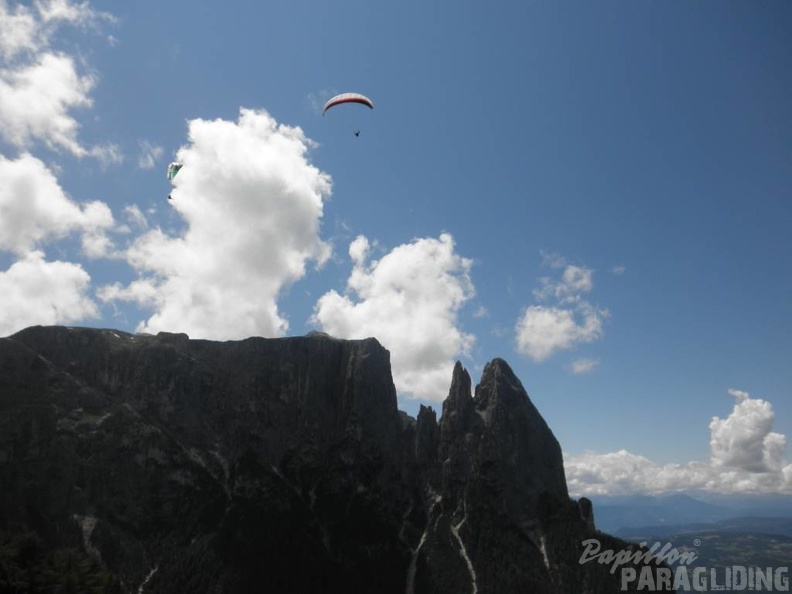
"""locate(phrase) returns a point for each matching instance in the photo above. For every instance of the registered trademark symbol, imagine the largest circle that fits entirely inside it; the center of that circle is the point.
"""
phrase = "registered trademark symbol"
(696, 542)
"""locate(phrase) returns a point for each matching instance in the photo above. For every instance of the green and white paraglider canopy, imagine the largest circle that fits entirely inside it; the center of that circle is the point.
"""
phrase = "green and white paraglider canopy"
(173, 169)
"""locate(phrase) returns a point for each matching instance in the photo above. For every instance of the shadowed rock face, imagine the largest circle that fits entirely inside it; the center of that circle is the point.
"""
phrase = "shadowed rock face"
(281, 465)
(499, 442)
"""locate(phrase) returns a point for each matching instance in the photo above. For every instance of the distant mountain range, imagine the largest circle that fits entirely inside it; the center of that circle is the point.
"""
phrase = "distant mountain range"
(723, 532)
(623, 514)
(743, 525)
(729, 550)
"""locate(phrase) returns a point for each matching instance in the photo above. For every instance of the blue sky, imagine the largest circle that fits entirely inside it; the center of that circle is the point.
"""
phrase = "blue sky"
(598, 193)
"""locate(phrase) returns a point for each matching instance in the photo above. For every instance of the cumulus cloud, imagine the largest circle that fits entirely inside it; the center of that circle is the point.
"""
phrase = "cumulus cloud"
(65, 11)
(34, 209)
(252, 205)
(574, 281)
(17, 29)
(38, 292)
(624, 473)
(746, 457)
(408, 300)
(563, 318)
(744, 440)
(39, 87)
(29, 29)
(541, 331)
(35, 102)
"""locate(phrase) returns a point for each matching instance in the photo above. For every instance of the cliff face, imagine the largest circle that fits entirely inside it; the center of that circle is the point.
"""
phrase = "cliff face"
(281, 465)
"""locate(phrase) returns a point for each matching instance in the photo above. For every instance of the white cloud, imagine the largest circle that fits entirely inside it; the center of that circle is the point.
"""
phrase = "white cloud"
(39, 88)
(541, 330)
(136, 216)
(744, 440)
(747, 457)
(358, 250)
(253, 205)
(581, 366)
(569, 320)
(33, 291)
(612, 473)
(80, 14)
(106, 154)
(408, 300)
(17, 29)
(35, 102)
(26, 30)
(142, 292)
(149, 154)
(35, 209)
(575, 280)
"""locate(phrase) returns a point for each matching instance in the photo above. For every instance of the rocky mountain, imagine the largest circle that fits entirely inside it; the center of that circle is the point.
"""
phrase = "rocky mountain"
(140, 463)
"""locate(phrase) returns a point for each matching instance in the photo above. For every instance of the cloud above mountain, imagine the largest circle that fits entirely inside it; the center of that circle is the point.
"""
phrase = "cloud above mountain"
(746, 457)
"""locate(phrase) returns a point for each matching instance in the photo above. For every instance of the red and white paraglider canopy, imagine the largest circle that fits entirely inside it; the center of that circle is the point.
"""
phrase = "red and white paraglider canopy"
(348, 98)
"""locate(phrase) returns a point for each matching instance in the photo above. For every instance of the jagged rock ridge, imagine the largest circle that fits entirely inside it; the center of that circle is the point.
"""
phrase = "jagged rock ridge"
(281, 465)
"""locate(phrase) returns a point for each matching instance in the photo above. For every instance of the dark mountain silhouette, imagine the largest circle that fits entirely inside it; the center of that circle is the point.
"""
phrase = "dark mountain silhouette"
(138, 463)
